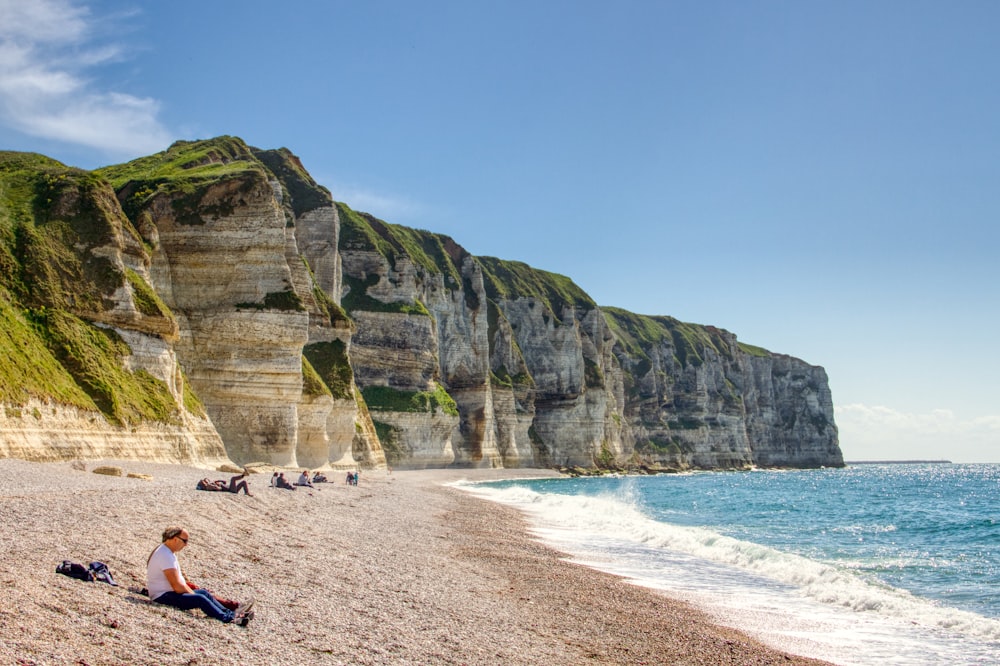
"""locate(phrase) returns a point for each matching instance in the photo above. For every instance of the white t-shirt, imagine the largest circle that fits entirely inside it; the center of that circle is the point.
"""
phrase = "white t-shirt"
(156, 581)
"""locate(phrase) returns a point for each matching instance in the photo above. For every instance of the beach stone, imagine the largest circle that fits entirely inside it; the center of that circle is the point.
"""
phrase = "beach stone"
(137, 475)
(109, 470)
(229, 469)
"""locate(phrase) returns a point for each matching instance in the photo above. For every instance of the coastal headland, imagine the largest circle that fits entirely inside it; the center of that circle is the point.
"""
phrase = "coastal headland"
(401, 569)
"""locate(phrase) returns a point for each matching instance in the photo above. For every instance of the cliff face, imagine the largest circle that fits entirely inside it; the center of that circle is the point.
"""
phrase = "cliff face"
(542, 376)
(315, 335)
(87, 364)
(221, 219)
(694, 396)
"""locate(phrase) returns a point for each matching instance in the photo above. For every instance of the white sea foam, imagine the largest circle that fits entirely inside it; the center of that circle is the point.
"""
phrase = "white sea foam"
(791, 601)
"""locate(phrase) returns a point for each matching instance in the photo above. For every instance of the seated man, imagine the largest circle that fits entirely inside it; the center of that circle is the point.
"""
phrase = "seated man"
(167, 585)
(304, 479)
(282, 482)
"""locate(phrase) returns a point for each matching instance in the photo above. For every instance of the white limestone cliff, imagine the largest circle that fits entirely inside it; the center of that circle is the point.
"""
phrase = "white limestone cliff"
(315, 336)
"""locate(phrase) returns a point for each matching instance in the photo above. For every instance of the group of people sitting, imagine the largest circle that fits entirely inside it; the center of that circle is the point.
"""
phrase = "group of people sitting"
(278, 480)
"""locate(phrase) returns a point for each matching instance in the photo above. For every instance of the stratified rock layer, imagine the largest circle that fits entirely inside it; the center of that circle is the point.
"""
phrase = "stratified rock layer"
(223, 277)
(542, 376)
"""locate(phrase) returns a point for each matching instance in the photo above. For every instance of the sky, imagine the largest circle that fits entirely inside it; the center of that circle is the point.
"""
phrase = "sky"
(820, 178)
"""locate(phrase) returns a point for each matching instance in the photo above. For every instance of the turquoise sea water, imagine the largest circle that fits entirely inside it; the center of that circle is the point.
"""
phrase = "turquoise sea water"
(872, 564)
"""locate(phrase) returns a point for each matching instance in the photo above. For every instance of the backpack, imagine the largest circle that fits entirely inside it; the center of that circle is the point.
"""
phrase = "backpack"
(75, 570)
(101, 572)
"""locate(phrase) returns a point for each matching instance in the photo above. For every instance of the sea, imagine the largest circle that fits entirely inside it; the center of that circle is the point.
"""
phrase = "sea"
(868, 564)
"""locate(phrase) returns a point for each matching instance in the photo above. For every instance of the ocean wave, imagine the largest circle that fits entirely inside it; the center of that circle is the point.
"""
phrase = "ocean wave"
(572, 519)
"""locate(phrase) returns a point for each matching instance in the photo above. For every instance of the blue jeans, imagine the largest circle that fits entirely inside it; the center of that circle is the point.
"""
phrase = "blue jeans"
(198, 599)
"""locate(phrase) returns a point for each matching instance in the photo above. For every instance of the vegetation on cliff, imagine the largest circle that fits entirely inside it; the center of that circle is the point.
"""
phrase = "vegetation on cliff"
(388, 399)
(55, 223)
(312, 384)
(332, 367)
(51, 218)
(332, 311)
(436, 254)
(95, 358)
(302, 192)
(287, 301)
(181, 172)
(27, 367)
(357, 298)
(510, 280)
(637, 333)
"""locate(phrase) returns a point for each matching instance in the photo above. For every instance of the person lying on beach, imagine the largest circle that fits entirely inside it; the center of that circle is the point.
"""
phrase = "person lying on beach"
(304, 479)
(214, 486)
(238, 483)
(167, 585)
(320, 477)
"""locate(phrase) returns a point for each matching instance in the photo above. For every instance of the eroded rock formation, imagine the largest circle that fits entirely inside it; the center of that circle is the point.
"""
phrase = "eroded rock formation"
(314, 335)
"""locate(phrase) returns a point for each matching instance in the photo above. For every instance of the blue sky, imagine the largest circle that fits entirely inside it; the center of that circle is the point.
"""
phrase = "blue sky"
(820, 178)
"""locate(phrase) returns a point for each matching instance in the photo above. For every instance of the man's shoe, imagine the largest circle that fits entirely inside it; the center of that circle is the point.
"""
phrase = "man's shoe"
(244, 619)
(244, 607)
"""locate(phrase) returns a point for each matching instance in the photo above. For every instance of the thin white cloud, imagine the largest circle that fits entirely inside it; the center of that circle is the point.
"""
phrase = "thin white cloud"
(46, 50)
(877, 432)
(42, 21)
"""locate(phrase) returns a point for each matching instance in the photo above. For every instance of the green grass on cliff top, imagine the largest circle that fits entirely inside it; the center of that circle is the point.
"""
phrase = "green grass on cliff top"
(435, 253)
(305, 193)
(187, 166)
(181, 171)
(51, 216)
(186, 162)
(441, 255)
(510, 280)
(637, 333)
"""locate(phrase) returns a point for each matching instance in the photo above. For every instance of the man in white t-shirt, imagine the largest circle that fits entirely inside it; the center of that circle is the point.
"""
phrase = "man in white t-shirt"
(167, 585)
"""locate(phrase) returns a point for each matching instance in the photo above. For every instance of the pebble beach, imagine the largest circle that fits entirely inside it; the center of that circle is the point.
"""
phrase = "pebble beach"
(401, 569)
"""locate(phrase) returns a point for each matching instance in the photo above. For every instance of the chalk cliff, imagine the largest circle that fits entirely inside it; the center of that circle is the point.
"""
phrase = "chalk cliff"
(221, 219)
(543, 376)
(303, 333)
(87, 361)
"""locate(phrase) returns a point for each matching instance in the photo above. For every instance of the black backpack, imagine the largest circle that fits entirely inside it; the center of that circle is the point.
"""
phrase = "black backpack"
(75, 570)
(96, 571)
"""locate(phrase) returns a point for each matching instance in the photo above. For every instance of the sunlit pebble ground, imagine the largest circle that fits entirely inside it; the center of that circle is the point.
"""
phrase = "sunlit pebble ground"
(398, 570)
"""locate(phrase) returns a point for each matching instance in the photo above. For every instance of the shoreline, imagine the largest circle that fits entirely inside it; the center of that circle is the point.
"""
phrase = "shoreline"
(401, 569)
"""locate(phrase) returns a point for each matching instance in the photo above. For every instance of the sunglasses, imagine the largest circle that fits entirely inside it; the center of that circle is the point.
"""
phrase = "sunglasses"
(182, 538)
